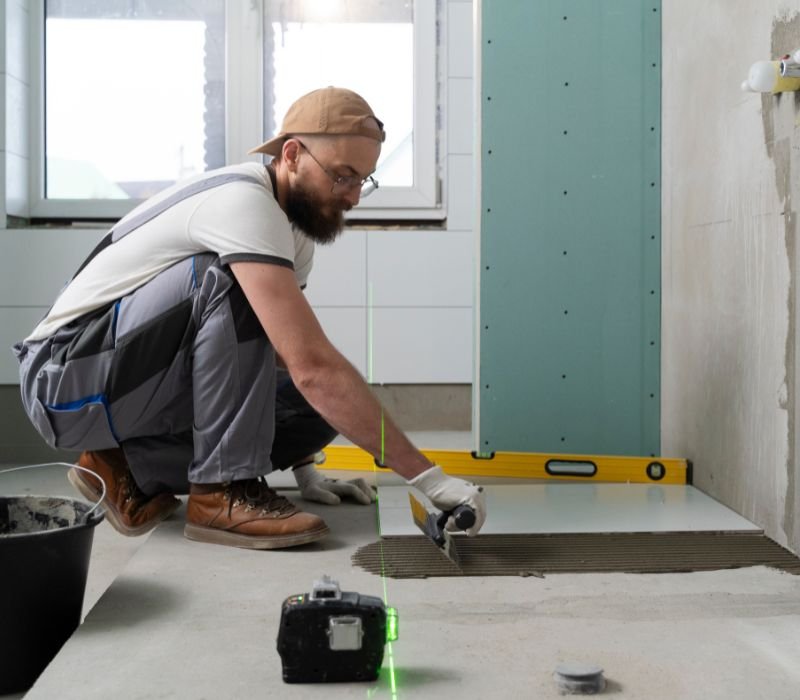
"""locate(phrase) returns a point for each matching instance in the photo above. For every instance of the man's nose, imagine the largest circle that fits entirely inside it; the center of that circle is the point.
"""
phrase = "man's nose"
(352, 196)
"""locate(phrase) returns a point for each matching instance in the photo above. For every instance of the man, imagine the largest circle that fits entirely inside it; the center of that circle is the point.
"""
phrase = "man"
(161, 359)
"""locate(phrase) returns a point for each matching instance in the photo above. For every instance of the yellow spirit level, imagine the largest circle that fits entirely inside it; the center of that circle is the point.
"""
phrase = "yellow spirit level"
(532, 465)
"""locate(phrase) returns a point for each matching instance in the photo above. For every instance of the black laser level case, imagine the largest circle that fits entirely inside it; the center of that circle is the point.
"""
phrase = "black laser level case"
(331, 636)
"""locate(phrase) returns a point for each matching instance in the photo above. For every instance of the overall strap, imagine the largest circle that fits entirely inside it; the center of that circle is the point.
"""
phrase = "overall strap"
(126, 226)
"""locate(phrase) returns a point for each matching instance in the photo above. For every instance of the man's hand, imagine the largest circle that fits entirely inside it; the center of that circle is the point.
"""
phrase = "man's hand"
(315, 487)
(447, 492)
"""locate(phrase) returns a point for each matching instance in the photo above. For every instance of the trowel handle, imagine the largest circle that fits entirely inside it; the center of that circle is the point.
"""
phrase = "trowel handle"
(463, 516)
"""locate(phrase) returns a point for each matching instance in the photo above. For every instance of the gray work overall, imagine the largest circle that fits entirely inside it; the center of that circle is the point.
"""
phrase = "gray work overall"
(179, 373)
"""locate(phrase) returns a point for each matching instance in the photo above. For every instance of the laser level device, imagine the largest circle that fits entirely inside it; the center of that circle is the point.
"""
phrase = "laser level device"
(332, 636)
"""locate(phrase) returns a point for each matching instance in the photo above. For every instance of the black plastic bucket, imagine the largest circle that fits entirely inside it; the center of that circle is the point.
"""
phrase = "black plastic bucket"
(45, 545)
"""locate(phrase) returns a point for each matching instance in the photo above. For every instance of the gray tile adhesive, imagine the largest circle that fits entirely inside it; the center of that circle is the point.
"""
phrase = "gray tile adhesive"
(537, 555)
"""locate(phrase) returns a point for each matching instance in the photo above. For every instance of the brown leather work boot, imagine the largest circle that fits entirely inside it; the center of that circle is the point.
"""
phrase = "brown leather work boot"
(249, 514)
(128, 510)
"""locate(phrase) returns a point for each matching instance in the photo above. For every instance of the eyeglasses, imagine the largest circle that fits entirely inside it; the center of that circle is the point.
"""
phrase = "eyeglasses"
(345, 183)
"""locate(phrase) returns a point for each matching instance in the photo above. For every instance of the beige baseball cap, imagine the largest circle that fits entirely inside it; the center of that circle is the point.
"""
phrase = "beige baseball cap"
(329, 110)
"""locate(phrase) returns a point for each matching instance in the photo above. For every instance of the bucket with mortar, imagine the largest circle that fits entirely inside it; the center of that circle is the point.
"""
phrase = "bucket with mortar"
(45, 545)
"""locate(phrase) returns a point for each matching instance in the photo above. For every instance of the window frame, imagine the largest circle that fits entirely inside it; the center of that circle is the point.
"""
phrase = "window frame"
(244, 120)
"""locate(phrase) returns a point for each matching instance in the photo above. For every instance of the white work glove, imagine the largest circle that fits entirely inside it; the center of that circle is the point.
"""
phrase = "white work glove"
(448, 492)
(316, 487)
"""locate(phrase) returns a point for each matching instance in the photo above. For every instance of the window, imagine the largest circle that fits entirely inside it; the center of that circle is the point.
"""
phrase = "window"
(136, 94)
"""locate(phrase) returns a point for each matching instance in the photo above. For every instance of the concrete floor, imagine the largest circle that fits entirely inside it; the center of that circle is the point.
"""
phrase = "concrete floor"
(171, 618)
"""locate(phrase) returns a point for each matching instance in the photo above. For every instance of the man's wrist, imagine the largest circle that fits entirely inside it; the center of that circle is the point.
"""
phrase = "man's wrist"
(416, 470)
(311, 459)
(433, 473)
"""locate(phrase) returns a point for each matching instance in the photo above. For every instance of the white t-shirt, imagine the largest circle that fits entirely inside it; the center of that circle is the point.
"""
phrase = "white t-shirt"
(238, 220)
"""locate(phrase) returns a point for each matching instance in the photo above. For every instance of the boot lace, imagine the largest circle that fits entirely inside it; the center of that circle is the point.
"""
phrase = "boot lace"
(130, 490)
(256, 494)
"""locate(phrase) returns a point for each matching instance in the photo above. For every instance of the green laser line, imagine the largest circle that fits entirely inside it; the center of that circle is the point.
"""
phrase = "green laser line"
(370, 377)
(390, 652)
(392, 679)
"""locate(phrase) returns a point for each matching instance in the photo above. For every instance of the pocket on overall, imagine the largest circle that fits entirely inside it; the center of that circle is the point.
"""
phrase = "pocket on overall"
(81, 425)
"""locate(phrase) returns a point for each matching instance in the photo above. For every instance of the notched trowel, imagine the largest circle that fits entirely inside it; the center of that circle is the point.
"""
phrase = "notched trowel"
(433, 526)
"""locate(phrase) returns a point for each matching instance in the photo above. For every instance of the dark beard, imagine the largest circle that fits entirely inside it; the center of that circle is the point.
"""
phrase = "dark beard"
(304, 211)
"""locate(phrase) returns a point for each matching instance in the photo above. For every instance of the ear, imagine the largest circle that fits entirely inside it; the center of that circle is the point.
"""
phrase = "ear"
(290, 151)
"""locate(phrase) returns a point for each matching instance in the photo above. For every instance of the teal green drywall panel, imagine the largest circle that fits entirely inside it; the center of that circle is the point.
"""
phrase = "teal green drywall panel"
(570, 291)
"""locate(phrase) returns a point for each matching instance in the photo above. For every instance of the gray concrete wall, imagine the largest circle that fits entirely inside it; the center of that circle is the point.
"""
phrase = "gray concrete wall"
(731, 162)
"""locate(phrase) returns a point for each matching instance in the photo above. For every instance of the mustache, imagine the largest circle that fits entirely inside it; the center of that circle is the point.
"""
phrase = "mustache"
(321, 221)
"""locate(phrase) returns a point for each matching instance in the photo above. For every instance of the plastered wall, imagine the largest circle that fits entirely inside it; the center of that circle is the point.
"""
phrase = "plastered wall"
(731, 163)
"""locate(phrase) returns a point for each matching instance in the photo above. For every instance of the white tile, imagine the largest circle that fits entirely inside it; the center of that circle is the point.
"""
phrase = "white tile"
(461, 207)
(36, 263)
(420, 268)
(339, 274)
(427, 440)
(460, 116)
(15, 324)
(17, 192)
(3, 167)
(578, 507)
(17, 98)
(422, 346)
(459, 40)
(3, 41)
(347, 330)
(17, 32)
(3, 110)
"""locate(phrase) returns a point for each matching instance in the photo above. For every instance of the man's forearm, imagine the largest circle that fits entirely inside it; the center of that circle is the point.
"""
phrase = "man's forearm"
(344, 399)
(320, 372)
